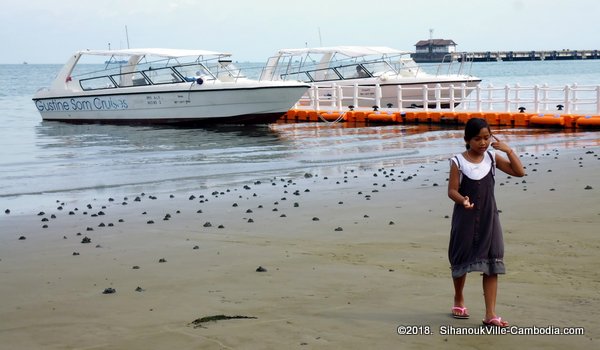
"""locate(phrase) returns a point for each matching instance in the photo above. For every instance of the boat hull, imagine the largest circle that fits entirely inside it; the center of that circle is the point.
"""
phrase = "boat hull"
(192, 106)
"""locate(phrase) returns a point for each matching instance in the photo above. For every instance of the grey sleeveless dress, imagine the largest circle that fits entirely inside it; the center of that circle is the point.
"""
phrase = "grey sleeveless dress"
(476, 242)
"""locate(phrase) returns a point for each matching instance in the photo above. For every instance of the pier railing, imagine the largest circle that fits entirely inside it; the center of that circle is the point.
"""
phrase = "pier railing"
(509, 98)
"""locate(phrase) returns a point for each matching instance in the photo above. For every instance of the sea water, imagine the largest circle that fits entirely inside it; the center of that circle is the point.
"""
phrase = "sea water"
(42, 160)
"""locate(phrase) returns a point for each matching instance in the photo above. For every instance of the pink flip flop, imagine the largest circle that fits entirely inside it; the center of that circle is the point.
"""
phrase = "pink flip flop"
(462, 313)
(495, 321)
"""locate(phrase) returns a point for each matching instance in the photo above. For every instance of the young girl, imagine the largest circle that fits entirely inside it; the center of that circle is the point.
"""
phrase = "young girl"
(476, 242)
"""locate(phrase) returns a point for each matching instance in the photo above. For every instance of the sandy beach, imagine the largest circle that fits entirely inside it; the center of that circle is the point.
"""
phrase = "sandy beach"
(349, 257)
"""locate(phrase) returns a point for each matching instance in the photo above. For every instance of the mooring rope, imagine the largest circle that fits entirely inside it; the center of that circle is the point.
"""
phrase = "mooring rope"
(332, 122)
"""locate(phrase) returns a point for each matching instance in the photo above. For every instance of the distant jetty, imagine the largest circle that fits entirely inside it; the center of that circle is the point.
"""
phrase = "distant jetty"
(509, 56)
(438, 50)
(489, 56)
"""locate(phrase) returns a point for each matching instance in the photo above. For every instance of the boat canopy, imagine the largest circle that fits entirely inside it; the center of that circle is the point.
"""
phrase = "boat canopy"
(350, 51)
(158, 52)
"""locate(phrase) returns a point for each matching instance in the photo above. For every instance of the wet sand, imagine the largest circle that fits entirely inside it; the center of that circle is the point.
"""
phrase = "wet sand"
(349, 258)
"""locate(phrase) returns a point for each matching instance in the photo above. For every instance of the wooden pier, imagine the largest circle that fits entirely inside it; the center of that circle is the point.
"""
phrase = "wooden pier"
(509, 56)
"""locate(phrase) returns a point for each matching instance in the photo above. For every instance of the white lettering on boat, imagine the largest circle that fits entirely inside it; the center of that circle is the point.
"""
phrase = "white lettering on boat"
(81, 104)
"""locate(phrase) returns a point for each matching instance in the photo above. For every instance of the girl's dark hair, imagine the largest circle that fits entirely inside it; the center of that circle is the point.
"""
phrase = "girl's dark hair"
(473, 127)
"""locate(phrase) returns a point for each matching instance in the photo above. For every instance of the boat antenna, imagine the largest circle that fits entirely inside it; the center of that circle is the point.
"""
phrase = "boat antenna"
(320, 40)
(127, 36)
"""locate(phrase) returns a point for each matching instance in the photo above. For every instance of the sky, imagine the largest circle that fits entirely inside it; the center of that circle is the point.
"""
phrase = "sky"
(47, 31)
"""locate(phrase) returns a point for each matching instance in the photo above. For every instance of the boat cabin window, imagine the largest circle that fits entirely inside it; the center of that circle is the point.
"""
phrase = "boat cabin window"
(327, 74)
(378, 67)
(226, 71)
(353, 71)
(407, 67)
(130, 79)
(301, 76)
(162, 76)
(97, 83)
(193, 71)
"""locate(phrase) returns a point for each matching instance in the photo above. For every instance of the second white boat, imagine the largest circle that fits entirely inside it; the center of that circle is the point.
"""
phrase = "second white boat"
(367, 66)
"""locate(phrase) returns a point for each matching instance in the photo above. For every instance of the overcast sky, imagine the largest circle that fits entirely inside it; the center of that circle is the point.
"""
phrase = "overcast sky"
(46, 31)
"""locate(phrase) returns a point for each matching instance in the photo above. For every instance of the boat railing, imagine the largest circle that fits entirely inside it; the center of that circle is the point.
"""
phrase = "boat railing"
(455, 63)
(509, 98)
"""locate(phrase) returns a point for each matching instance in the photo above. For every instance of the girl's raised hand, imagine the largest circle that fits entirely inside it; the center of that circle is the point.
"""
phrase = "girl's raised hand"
(499, 145)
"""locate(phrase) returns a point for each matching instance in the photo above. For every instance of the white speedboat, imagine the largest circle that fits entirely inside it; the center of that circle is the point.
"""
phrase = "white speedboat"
(367, 66)
(162, 86)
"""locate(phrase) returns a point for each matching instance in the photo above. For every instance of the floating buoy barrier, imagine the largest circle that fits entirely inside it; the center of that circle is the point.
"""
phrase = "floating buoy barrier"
(508, 119)
(547, 120)
(588, 121)
(568, 107)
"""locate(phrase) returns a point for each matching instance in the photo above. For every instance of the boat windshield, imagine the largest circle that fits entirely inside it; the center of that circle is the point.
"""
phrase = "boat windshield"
(194, 71)
(330, 67)
(90, 77)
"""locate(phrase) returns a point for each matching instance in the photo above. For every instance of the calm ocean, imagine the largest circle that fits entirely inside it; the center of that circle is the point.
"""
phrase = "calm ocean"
(40, 160)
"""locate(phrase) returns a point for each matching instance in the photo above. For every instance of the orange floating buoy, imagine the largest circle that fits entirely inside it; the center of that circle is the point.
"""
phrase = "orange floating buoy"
(290, 115)
(569, 120)
(444, 117)
(521, 119)
(435, 116)
(381, 118)
(360, 117)
(491, 118)
(547, 120)
(312, 116)
(411, 117)
(332, 116)
(350, 116)
(422, 117)
(400, 117)
(588, 121)
(505, 119)
(463, 117)
(301, 116)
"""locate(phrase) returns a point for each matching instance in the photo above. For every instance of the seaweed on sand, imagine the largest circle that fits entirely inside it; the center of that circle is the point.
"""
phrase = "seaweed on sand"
(199, 321)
